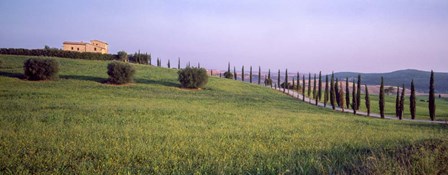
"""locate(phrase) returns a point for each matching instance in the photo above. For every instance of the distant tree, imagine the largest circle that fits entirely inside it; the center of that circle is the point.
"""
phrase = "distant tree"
(293, 83)
(278, 78)
(269, 77)
(259, 75)
(178, 63)
(188, 65)
(389, 90)
(303, 87)
(242, 73)
(367, 100)
(314, 90)
(169, 65)
(336, 88)
(298, 82)
(341, 96)
(358, 93)
(381, 100)
(332, 93)
(354, 98)
(227, 74)
(319, 89)
(199, 65)
(347, 93)
(412, 104)
(250, 75)
(432, 104)
(309, 85)
(220, 75)
(286, 80)
(397, 102)
(401, 107)
(326, 91)
(211, 72)
(234, 73)
(123, 56)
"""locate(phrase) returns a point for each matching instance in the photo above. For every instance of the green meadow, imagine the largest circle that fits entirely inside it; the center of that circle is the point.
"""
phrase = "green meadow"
(79, 125)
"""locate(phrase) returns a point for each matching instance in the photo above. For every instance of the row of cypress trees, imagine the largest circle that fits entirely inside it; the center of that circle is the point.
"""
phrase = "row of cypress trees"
(338, 97)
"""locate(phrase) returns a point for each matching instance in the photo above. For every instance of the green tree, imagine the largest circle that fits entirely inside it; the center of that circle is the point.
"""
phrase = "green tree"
(314, 89)
(259, 75)
(358, 93)
(178, 63)
(227, 74)
(347, 93)
(298, 82)
(336, 88)
(309, 85)
(332, 93)
(303, 87)
(326, 91)
(412, 103)
(381, 100)
(354, 102)
(123, 56)
(401, 103)
(278, 79)
(169, 66)
(432, 102)
(250, 75)
(397, 103)
(286, 81)
(319, 89)
(367, 100)
(341, 96)
(242, 73)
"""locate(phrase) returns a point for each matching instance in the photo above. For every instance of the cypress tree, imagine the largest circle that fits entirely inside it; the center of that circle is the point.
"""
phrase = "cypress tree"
(303, 87)
(401, 103)
(319, 89)
(332, 92)
(293, 83)
(169, 66)
(336, 88)
(234, 73)
(298, 82)
(412, 103)
(228, 67)
(381, 100)
(367, 100)
(269, 76)
(326, 91)
(432, 104)
(250, 75)
(397, 102)
(314, 90)
(286, 81)
(178, 63)
(341, 96)
(347, 93)
(220, 75)
(278, 79)
(259, 75)
(358, 93)
(354, 98)
(242, 73)
(211, 72)
(309, 85)
(199, 65)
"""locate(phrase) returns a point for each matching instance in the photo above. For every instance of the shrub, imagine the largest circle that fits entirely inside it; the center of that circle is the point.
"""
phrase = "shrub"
(289, 86)
(120, 73)
(41, 69)
(123, 56)
(228, 75)
(192, 77)
(267, 81)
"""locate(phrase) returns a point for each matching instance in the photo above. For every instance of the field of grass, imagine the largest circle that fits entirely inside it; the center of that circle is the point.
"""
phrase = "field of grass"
(80, 125)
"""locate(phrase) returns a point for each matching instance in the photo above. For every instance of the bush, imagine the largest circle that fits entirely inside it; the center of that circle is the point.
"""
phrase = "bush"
(289, 86)
(57, 53)
(41, 69)
(122, 56)
(228, 75)
(120, 73)
(192, 77)
(267, 82)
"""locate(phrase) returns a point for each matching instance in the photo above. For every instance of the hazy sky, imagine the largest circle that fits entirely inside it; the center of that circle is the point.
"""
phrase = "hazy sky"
(301, 35)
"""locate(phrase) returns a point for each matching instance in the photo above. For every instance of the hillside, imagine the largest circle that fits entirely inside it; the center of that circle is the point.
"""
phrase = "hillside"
(397, 78)
(78, 125)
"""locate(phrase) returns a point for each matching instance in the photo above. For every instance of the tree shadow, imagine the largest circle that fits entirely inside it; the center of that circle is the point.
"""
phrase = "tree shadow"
(83, 77)
(159, 82)
(12, 75)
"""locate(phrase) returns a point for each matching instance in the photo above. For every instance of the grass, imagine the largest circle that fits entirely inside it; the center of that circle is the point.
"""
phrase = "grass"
(80, 125)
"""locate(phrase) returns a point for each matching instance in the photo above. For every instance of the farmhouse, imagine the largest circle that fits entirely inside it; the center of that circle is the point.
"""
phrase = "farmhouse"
(94, 46)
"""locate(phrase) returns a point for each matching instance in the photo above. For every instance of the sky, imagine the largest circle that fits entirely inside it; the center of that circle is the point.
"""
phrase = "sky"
(298, 35)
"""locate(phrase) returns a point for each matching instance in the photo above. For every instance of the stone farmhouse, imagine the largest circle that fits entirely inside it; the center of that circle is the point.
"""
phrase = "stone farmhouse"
(94, 46)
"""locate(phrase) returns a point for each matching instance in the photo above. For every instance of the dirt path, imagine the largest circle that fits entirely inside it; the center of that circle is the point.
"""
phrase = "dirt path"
(374, 115)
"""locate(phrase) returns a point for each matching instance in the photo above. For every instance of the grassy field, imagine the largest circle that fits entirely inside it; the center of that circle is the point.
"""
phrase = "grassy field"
(80, 125)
